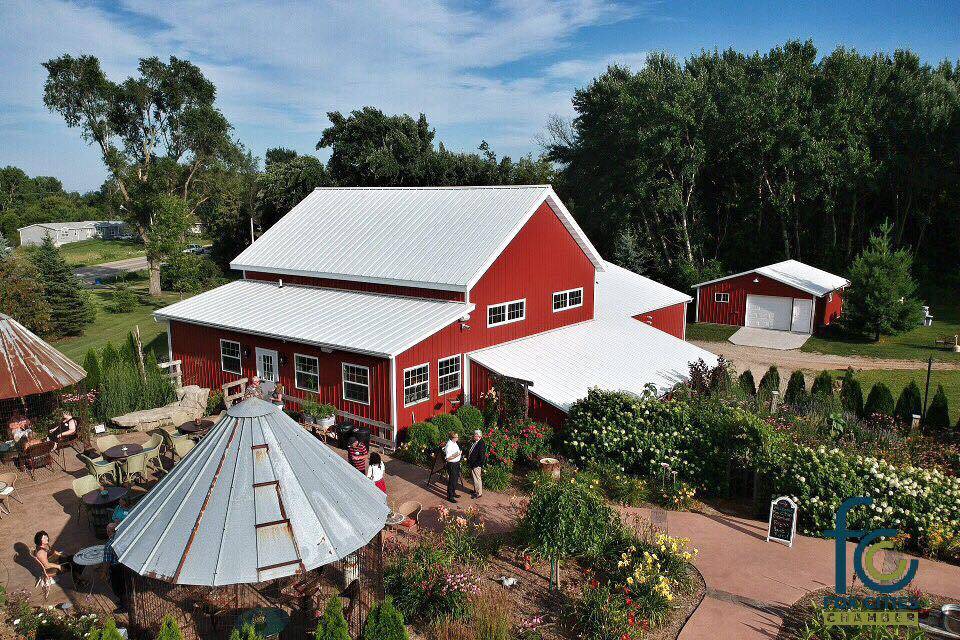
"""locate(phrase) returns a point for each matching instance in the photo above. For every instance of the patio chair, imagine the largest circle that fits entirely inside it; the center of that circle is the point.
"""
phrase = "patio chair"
(10, 479)
(151, 450)
(105, 442)
(81, 487)
(135, 467)
(38, 456)
(99, 468)
(182, 447)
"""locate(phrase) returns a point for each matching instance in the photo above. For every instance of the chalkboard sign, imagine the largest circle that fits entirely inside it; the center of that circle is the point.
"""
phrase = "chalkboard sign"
(783, 521)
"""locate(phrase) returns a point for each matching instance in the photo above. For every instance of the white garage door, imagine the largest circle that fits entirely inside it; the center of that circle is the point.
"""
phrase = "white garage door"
(769, 312)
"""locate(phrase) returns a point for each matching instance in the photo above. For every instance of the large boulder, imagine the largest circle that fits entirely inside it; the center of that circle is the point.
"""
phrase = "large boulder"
(191, 404)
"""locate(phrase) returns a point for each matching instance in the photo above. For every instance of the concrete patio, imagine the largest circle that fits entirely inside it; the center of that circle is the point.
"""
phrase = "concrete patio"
(769, 338)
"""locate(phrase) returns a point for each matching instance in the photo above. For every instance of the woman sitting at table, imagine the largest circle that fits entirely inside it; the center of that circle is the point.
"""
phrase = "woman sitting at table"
(276, 396)
(46, 556)
(120, 513)
(253, 390)
(63, 431)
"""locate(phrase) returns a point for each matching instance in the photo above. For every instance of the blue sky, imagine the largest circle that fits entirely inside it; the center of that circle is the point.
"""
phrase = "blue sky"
(479, 70)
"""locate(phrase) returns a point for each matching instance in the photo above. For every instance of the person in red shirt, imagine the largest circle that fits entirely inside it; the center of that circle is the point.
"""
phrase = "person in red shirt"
(357, 455)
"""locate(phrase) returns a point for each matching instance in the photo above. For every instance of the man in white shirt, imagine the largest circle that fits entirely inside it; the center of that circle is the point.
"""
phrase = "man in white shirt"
(452, 454)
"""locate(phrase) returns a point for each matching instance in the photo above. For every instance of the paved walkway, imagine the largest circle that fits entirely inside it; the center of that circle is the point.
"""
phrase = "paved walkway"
(769, 338)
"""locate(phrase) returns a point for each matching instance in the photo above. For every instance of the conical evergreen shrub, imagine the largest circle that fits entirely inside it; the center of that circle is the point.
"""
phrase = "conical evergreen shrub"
(770, 381)
(91, 364)
(909, 404)
(169, 630)
(385, 622)
(851, 393)
(746, 383)
(822, 386)
(937, 419)
(796, 394)
(333, 625)
(880, 400)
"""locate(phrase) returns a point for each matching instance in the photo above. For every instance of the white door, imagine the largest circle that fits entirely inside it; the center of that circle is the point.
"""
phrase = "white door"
(769, 312)
(267, 365)
(802, 316)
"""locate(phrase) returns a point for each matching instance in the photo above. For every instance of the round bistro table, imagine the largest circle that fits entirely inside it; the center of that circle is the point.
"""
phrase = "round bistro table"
(267, 621)
(101, 503)
(120, 452)
(190, 428)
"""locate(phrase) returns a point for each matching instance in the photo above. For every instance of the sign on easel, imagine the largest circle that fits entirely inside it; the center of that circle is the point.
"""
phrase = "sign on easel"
(783, 521)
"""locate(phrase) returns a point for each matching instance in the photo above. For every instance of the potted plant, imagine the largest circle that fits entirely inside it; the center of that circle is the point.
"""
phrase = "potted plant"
(326, 415)
(309, 409)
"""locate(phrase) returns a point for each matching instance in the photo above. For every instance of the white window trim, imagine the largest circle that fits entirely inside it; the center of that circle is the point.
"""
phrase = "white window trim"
(459, 359)
(404, 378)
(296, 371)
(506, 309)
(830, 297)
(343, 382)
(721, 294)
(239, 357)
(567, 306)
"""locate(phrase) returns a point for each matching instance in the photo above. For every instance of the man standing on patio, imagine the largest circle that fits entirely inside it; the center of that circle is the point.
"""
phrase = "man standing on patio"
(476, 458)
(452, 453)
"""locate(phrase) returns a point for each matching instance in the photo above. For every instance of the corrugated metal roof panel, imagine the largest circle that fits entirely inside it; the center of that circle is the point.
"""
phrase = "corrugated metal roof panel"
(613, 354)
(621, 293)
(796, 274)
(29, 365)
(433, 237)
(199, 524)
(354, 320)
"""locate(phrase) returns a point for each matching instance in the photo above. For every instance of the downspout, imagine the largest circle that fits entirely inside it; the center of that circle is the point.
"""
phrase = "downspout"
(393, 397)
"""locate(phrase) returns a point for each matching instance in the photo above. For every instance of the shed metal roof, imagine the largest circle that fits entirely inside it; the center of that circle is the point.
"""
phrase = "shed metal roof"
(431, 237)
(616, 354)
(85, 224)
(259, 498)
(377, 324)
(621, 293)
(28, 365)
(795, 274)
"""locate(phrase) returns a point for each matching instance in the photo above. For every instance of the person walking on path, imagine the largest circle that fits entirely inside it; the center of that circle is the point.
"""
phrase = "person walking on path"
(452, 454)
(376, 471)
(476, 458)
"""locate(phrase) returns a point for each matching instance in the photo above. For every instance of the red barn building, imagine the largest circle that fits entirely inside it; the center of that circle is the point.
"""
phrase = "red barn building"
(786, 296)
(396, 304)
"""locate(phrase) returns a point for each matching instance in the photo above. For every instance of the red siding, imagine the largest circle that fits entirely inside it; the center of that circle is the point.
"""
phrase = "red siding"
(829, 308)
(734, 312)
(199, 350)
(481, 381)
(371, 287)
(541, 259)
(672, 319)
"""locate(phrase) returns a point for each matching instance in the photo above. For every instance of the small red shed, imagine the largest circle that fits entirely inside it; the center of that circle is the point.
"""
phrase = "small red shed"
(786, 296)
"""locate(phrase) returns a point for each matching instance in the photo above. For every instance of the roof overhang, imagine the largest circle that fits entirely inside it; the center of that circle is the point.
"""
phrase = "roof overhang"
(799, 286)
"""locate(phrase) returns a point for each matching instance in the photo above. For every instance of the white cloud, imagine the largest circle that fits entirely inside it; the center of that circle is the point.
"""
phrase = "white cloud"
(581, 69)
(280, 66)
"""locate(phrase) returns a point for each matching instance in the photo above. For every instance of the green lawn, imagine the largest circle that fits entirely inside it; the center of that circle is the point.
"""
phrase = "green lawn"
(898, 379)
(710, 332)
(114, 327)
(93, 252)
(917, 344)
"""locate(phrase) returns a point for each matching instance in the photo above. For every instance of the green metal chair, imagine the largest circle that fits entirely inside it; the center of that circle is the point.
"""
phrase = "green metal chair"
(105, 442)
(100, 468)
(182, 447)
(81, 487)
(135, 467)
(151, 450)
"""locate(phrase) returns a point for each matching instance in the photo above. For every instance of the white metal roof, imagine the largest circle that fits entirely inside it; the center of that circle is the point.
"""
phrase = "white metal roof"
(431, 237)
(796, 274)
(621, 293)
(613, 354)
(371, 323)
(259, 498)
(85, 224)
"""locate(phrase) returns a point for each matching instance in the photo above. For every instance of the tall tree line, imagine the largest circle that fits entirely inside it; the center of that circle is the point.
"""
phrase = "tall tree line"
(727, 161)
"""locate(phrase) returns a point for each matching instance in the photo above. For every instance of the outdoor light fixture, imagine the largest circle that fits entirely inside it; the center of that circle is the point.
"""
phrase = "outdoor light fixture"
(246, 352)
(326, 349)
(283, 359)
(756, 281)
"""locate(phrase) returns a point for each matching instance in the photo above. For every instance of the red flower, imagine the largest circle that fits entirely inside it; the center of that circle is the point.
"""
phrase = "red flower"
(629, 602)
(625, 636)
(594, 584)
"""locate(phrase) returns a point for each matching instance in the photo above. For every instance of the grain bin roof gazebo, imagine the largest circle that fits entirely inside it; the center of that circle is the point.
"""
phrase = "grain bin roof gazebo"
(259, 514)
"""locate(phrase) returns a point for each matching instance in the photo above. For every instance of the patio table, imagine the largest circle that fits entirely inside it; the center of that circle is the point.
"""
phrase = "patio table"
(191, 428)
(90, 556)
(122, 452)
(267, 621)
(101, 503)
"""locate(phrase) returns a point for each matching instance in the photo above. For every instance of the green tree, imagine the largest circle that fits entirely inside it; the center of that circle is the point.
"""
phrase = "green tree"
(880, 298)
(108, 632)
(937, 419)
(286, 182)
(70, 309)
(91, 364)
(109, 357)
(746, 383)
(159, 135)
(879, 401)
(385, 622)
(770, 381)
(5, 247)
(822, 386)
(122, 299)
(21, 296)
(333, 625)
(169, 629)
(851, 393)
(796, 394)
(909, 404)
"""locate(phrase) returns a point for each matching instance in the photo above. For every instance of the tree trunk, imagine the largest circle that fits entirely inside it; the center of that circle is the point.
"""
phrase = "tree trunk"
(154, 266)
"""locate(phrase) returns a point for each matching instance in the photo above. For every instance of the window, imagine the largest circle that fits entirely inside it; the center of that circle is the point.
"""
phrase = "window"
(721, 297)
(449, 374)
(356, 383)
(416, 384)
(830, 297)
(230, 356)
(567, 299)
(306, 373)
(506, 312)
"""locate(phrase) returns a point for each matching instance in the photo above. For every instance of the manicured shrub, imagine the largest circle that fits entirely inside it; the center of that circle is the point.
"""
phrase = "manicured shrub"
(122, 299)
(796, 394)
(746, 383)
(909, 404)
(169, 629)
(447, 422)
(471, 418)
(246, 632)
(770, 381)
(822, 386)
(496, 477)
(333, 624)
(91, 364)
(879, 400)
(937, 419)
(422, 440)
(108, 632)
(109, 357)
(385, 622)
(851, 393)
